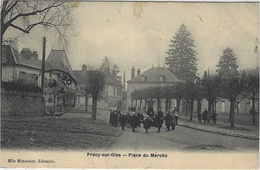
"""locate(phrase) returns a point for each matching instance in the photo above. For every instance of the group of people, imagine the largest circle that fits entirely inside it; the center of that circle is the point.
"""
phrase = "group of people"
(135, 119)
(205, 114)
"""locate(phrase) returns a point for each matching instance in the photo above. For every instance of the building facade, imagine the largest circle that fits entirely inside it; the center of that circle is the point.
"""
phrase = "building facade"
(153, 77)
(111, 95)
(24, 67)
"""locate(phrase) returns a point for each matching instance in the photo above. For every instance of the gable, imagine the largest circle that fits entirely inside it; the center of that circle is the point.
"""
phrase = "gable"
(155, 75)
(59, 59)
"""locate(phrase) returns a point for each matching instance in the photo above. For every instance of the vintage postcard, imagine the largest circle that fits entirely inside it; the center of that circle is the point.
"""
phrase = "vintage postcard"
(129, 85)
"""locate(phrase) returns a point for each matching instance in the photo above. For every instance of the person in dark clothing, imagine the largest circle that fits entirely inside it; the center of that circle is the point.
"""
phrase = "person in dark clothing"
(114, 119)
(199, 117)
(110, 118)
(140, 118)
(118, 114)
(150, 112)
(168, 121)
(133, 122)
(122, 121)
(158, 120)
(147, 123)
(205, 115)
(214, 117)
(128, 120)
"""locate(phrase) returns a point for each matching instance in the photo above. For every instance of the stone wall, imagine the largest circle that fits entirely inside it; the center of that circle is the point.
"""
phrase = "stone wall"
(21, 103)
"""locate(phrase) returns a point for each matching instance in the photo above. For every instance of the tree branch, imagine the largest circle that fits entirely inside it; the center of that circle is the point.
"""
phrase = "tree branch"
(32, 13)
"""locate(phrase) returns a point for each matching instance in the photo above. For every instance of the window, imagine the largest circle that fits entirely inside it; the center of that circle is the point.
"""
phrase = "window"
(119, 91)
(78, 100)
(143, 78)
(161, 78)
(34, 79)
(23, 77)
(114, 90)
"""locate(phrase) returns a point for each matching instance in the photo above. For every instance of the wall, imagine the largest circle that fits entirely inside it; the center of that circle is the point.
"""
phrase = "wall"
(8, 73)
(21, 103)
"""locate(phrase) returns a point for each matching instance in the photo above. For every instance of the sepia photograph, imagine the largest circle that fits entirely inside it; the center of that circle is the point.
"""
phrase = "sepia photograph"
(129, 85)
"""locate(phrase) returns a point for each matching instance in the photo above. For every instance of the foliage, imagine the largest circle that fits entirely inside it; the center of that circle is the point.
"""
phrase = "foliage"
(19, 86)
(95, 83)
(211, 87)
(198, 90)
(252, 84)
(108, 69)
(67, 96)
(105, 67)
(227, 64)
(181, 55)
(252, 89)
(115, 70)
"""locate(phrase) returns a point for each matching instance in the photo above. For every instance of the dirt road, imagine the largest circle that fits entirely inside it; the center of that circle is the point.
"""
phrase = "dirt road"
(179, 139)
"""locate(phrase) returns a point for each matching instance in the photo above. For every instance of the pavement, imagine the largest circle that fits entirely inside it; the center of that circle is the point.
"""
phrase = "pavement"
(222, 128)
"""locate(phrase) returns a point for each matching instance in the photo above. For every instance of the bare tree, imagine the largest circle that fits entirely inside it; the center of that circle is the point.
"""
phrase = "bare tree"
(210, 88)
(26, 15)
(232, 88)
(252, 89)
(96, 83)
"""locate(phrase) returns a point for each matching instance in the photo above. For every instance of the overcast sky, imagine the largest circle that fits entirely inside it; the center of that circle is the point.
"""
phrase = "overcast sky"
(139, 34)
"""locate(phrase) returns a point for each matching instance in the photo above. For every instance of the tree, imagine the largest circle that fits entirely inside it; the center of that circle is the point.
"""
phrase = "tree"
(227, 63)
(198, 94)
(178, 94)
(181, 55)
(105, 67)
(232, 83)
(26, 15)
(210, 88)
(232, 87)
(96, 82)
(115, 70)
(252, 89)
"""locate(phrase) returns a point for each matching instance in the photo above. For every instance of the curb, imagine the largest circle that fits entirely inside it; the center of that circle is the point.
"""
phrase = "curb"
(219, 132)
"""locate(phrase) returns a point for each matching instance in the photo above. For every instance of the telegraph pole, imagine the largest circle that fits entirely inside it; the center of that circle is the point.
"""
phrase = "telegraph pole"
(43, 62)
(43, 71)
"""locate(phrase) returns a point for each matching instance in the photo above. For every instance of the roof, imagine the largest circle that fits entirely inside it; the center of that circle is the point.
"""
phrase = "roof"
(81, 78)
(112, 80)
(152, 76)
(59, 59)
(13, 57)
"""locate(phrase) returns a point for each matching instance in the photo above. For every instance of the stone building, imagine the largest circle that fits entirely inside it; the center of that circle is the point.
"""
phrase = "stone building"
(24, 67)
(153, 77)
(20, 71)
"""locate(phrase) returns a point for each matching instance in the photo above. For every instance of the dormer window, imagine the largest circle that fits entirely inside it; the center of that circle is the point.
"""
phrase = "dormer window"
(143, 78)
(161, 78)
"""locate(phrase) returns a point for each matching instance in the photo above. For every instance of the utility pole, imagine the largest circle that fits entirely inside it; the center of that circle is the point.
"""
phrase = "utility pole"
(43, 71)
(43, 62)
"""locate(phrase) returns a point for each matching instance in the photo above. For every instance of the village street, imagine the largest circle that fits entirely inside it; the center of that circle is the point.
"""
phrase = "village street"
(180, 139)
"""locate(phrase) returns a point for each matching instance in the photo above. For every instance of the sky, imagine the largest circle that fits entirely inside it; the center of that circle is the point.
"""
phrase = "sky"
(138, 34)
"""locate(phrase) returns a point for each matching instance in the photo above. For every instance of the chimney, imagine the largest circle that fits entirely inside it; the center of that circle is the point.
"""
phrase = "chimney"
(26, 51)
(34, 55)
(133, 73)
(84, 67)
(138, 71)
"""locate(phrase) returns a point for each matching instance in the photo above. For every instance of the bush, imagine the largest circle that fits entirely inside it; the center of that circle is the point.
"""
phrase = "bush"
(19, 86)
